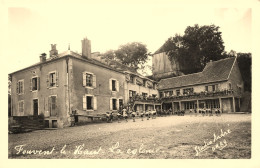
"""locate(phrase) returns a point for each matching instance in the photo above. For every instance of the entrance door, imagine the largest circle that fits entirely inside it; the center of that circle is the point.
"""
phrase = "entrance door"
(35, 107)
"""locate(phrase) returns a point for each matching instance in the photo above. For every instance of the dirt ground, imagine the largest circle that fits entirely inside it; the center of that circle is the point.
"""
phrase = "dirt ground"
(182, 137)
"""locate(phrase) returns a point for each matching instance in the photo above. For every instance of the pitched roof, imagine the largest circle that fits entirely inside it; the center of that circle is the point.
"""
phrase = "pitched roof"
(213, 72)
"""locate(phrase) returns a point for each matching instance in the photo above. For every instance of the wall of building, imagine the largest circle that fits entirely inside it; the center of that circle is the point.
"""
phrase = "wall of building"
(101, 91)
(43, 93)
(139, 90)
(227, 105)
(236, 80)
(161, 63)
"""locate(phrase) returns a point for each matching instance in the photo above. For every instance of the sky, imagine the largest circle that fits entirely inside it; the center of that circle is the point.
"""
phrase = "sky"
(33, 27)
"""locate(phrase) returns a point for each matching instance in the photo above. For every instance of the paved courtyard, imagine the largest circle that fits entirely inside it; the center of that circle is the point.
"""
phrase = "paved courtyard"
(182, 137)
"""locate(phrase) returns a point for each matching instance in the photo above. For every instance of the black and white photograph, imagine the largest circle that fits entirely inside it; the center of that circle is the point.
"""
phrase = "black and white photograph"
(129, 80)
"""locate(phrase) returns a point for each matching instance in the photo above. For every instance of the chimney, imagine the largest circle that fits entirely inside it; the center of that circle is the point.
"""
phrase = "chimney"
(43, 57)
(86, 48)
(53, 51)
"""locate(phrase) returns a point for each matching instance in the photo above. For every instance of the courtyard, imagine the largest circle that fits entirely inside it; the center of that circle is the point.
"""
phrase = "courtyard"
(173, 137)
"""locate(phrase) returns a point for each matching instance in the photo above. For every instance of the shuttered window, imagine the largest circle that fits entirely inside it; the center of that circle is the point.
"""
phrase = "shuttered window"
(89, 102)
(21, 106)
(52, 79)
(114, 85)
(89, 79)
(20, 87)
(52, 102)
(35, 83)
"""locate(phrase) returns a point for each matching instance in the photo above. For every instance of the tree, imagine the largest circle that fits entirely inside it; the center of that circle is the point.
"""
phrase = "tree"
(110, 54)
(132, 54)
(245, 65)
(196, 47)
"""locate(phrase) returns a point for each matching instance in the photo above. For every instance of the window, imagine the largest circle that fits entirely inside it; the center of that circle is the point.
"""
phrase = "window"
(189, 105)
(154, 95)
(154, 85)
(168, 93)
(52, 105)
(144, 83)
(206, 88)
(188, 91)
(213, 88)
(178, 92)
(114, 104)
(132, 93)
(89, 102)
(20, 87)
(144, 94)
(229, 86)
(52, 79)
(131, 79)
(35, 83)
(161, 94)
(114, 85)
(89, 79)
(21, 106)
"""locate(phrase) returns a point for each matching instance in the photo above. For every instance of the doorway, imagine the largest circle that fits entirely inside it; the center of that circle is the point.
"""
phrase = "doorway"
(35, 107)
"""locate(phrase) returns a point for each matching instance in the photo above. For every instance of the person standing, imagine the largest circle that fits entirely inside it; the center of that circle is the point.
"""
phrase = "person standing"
(133, 115)
(125, 114)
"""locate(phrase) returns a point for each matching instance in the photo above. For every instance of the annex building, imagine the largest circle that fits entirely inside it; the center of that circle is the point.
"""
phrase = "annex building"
(88, 85)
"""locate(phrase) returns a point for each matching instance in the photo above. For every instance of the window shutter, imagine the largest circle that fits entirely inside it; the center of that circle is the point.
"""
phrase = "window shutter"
(49, 105)
(84, 78)
(111, 104)
(47, 81)
(22, 106)
(57, 79)
(94, 81)
(31, 84)
(117, 104)
(84, 100)
(117, 86)
(110, 84)
(95, 103)
(17, 87)
(23, 87)
(38, 83)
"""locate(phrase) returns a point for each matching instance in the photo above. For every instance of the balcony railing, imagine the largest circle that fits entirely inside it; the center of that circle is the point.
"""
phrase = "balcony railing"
(199, 95)
(148, 99)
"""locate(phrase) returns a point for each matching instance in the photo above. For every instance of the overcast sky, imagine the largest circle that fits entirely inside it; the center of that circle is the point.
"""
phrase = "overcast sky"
(33, 27)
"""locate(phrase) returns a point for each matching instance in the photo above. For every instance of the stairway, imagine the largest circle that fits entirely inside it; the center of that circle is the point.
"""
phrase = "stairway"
(27, 123)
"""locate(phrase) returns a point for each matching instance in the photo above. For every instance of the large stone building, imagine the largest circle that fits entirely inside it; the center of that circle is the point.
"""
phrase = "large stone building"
(86, 83)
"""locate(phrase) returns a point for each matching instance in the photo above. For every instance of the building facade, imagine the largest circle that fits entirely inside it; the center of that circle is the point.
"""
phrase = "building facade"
(85, 85)
(219, 85)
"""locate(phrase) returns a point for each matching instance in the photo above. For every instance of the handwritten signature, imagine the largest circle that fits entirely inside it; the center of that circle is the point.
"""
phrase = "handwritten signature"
(218, 142)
